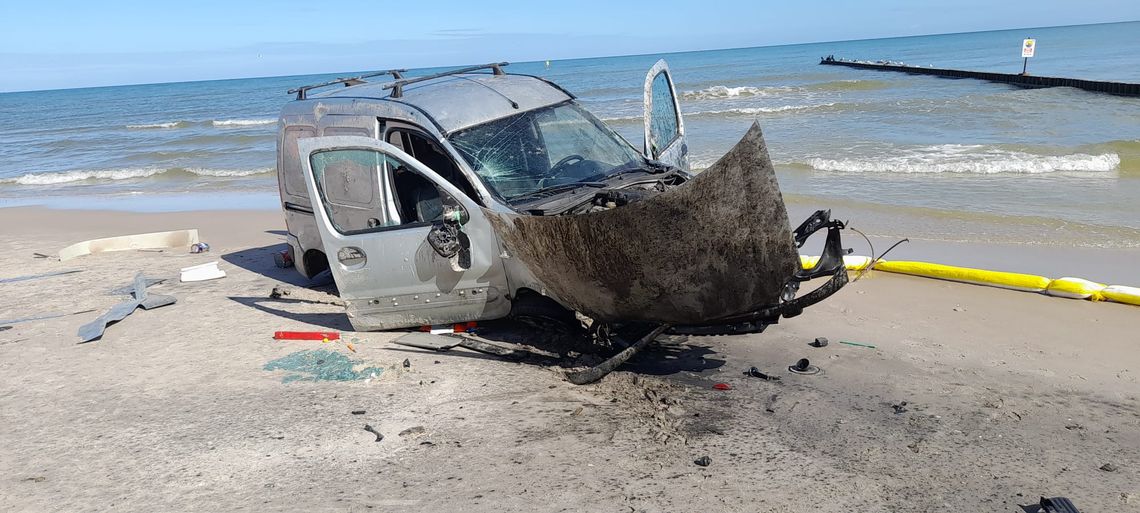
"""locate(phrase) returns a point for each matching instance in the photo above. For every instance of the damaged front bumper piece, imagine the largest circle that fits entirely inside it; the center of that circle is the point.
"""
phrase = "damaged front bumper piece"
(830, 265)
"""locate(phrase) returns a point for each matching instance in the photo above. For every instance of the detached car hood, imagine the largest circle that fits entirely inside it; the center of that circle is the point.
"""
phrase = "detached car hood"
(715, 247)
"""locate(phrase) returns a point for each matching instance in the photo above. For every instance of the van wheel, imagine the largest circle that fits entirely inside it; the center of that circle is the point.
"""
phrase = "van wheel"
(542, 312)
(315, 263)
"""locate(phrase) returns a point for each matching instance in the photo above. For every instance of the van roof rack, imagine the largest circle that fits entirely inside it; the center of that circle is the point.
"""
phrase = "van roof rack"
(397, 87)
(303, 91)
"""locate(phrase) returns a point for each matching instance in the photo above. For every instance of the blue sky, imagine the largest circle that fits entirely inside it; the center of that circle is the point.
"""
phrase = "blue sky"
(59, 44)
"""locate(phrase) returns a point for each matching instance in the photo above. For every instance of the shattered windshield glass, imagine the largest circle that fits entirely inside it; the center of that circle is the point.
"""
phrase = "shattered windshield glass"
(534, 150)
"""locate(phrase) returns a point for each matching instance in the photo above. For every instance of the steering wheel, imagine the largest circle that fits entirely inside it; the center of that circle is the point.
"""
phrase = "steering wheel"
(559, 167)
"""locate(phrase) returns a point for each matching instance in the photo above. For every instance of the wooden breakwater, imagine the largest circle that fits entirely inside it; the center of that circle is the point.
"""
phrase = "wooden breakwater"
(1098, 86)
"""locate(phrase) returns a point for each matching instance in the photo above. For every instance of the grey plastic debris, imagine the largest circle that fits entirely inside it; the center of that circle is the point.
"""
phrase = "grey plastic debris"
(703, 461)
(36, 276)
(819, 342)
(42, 317)
(130, 289)
(443, 343)
(140, 299)
(428, 341)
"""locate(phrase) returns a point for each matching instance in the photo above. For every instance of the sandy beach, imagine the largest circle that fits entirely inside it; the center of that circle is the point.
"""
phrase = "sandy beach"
(1009, 396)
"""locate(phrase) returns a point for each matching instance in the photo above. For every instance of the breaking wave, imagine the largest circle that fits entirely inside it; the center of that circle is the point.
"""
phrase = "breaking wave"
(220, 123)
(718, 92)
(244, 122)
(741, 111)
(971, 159)
(111, 175)
(171, 124)
(751, 111)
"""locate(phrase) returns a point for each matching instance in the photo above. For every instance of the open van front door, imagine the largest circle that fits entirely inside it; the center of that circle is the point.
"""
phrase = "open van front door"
(664, 129)
(406, 247)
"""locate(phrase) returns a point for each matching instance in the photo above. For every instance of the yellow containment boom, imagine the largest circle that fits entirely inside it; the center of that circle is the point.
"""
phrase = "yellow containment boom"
(1067, 287)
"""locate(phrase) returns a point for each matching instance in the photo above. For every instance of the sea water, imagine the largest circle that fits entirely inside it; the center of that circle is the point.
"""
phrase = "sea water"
(900, 155)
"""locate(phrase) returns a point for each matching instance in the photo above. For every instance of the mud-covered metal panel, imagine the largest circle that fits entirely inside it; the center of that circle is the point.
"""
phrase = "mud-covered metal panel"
(716, 246)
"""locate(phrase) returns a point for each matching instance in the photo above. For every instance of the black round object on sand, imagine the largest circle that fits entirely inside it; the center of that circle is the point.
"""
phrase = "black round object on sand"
(803, 366)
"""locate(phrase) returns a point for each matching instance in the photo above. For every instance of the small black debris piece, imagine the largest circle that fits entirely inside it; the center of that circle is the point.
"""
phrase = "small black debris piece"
(754, 372)
(370, 429)
(407, 363)
(1109, 467)
(358, 412)
(703, 461)
(804, 366)
(413, 431)
(1058, 505)
(899, 408)
(819, 342)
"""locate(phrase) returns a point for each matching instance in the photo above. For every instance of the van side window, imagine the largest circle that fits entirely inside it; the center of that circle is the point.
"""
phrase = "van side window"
(293, 177)
(349, 185)
(417, 198)
(365, 191)
(430, 154)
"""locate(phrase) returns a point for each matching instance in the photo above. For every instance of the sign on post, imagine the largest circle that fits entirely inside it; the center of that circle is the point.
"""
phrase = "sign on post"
(1027, 48)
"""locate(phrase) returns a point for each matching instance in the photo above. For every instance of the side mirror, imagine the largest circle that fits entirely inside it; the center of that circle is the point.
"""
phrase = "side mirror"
(449, 242)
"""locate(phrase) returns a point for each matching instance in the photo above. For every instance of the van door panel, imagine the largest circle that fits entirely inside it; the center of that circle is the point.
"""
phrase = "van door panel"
(388, 275)
(664, 127)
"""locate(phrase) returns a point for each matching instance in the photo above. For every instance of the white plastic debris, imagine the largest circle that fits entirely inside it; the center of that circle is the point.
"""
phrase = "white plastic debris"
(202, 272)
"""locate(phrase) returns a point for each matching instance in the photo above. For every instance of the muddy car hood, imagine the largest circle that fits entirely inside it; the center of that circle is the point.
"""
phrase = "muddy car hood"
(716, 246)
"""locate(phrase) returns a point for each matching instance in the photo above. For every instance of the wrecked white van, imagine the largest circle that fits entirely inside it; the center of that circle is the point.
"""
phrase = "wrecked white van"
(474, 194)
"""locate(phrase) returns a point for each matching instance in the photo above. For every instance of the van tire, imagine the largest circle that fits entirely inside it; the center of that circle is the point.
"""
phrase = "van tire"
(315, 263)
(543, 312)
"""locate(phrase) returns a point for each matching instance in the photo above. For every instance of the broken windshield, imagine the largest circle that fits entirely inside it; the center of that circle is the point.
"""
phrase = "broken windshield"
(534, 150)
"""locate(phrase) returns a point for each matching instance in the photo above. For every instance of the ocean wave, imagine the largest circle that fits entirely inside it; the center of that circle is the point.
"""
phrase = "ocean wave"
(1128, 151)
(970, 159)
(751, 111)
(243, 122)
(112, 175)
(740, 111)
(624, 119)
(169, 124)
(720, 92)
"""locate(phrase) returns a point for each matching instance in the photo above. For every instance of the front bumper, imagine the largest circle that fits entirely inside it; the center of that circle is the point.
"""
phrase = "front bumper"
(830, 264)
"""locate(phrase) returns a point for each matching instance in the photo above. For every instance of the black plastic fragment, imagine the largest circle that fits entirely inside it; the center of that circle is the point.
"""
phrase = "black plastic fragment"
(754, 372)
(1058, 505)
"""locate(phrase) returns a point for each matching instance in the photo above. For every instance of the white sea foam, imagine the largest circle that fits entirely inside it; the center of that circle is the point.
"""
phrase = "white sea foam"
(741, 111)
(751, 111)
(169, 124)
(721, 92)
(229, 172)
(243, 122)
(973, 159)
(111, 175)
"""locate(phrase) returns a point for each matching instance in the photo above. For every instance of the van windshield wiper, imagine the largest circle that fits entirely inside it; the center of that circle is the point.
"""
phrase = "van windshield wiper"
(651, 167)
(553, 189)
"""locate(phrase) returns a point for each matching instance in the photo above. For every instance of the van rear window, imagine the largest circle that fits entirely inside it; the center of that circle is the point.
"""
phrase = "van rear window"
(292, 177)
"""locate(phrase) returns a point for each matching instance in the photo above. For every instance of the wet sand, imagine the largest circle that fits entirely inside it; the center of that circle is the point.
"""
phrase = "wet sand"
(1009, 396)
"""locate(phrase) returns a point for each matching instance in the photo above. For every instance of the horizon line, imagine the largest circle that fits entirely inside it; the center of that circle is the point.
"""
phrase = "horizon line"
(138, 84)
